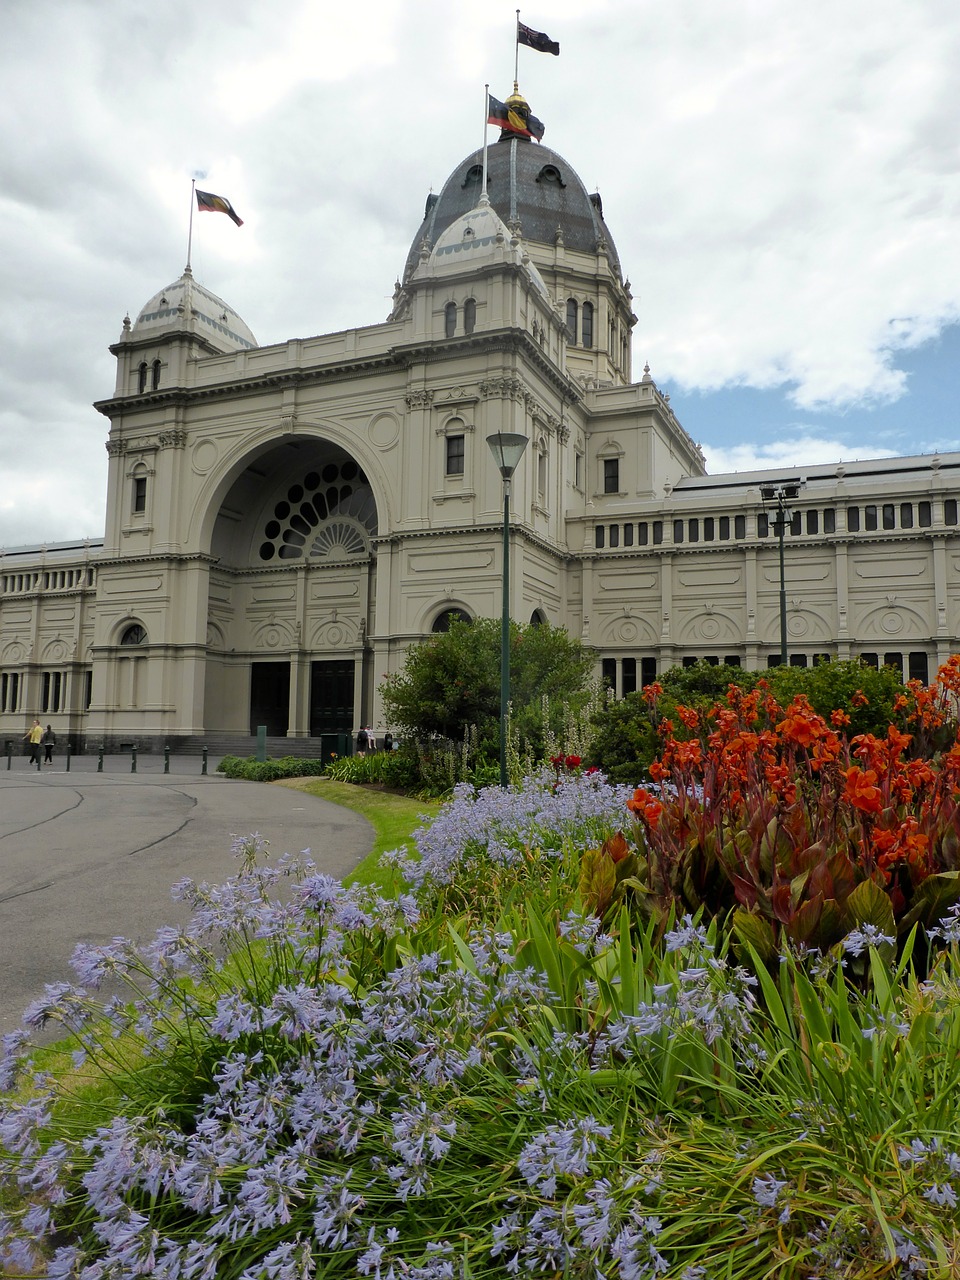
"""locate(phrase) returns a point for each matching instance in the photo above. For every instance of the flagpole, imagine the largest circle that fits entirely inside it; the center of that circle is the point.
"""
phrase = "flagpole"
(486, 130)
(516, 55)
(193, 189)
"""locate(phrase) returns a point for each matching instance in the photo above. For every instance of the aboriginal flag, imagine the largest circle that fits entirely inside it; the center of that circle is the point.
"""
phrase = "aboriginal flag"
(515, 118)
(538, 40)
(208, 202)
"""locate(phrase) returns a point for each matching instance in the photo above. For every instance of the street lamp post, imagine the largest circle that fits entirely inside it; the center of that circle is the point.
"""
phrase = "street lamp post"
(779, 495)
(507, 449)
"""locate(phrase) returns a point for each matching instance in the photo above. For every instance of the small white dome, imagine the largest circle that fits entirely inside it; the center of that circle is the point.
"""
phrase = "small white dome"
(478, 237)
(187, 301)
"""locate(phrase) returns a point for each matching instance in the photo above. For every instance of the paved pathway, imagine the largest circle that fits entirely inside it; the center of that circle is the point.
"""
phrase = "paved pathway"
(89, 856)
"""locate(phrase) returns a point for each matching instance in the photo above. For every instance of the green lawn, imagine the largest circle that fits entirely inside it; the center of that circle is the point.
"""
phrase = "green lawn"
(393, 817)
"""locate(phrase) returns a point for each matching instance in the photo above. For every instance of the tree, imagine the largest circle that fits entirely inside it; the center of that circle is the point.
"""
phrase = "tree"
(450, 683)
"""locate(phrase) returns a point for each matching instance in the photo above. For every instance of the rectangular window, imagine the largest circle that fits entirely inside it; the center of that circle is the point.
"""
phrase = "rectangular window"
(642, 534)
(924, 515)
(889, 516)
(689, 662)
(712, 660)
(578, 471)
(139, 493)
(829, 520)
(763, 525)
(708, 529)
(906, 515)
(678, 531)
(657, 532)
(628, 676)
(628, 535)
(773, 659)
(456, 455)
(614, 535)
(869, 660)
(813, 522)
(894, 660)
(796, 523)
(870, 518)
(608, 668)
(693, 530)
(611, 475)
(949, 511)
(739, 526)
(87, 689)
(648, 671)
(724, 528)
(918, 667)
(853, 519)
(599, 537)
(45, 691)
(820, 658)
(798, 659)
(731, 660)
(10, 691)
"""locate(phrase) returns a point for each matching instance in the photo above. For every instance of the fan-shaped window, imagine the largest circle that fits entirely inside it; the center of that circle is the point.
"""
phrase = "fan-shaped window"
(586, 324)
(443, 620)
(334, 523)
(156, 374)
(571, 320)
(134, 634)
(469, 315)
(142, 377)
(449, 319)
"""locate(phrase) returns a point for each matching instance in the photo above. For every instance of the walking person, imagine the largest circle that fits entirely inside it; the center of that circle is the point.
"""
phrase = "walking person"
(34, 737)
(49, 741)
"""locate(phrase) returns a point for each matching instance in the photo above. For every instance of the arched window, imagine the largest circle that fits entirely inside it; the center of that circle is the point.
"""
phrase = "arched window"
(442, 621)
(134, 634)
(156, 374)
(538, 618)
(469, 315)
(572, 320)
(586, 324)
(449, 319)
(142, 377)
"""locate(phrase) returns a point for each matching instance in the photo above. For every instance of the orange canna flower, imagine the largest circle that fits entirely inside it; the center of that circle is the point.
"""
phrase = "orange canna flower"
(839, 718)
(861, 790)
(645, 806)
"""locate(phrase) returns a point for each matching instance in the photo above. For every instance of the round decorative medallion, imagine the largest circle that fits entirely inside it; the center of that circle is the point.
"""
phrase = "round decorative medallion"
(892, 623)
(628, 632)
(384, 431)
(271, 637)
(709, 628)
(798, 626)
(204, 456)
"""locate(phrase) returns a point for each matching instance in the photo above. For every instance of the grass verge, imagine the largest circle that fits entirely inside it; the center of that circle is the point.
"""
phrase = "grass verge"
(394, 818)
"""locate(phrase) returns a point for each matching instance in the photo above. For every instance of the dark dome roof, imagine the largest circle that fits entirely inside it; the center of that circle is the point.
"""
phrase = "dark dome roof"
(526, 182)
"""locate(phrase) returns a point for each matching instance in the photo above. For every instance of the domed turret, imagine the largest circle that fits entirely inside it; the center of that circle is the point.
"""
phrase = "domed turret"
(188, 304)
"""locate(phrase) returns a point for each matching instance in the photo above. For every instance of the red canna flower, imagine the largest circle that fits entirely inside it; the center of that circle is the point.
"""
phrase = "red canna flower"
(861, 790)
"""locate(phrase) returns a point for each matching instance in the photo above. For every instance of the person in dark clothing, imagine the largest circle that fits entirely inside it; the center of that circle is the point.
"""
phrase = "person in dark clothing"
(49, 741)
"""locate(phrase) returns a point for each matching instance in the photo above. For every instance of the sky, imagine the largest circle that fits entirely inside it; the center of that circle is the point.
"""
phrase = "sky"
(781, 179)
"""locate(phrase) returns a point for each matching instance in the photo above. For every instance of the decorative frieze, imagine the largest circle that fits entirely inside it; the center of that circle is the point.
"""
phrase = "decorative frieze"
(421, 399)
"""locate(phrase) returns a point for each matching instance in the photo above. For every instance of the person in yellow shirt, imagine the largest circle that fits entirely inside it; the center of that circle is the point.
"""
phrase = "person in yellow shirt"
(34, 737)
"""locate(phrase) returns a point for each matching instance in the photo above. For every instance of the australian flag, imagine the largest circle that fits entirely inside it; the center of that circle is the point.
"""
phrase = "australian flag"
(538, 40)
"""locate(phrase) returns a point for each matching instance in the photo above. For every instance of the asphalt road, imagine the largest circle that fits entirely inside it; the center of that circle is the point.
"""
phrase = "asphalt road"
(87, 856)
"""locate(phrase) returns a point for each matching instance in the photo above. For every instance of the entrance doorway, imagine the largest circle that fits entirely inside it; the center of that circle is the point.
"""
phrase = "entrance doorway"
(331, 697)
(270, 697)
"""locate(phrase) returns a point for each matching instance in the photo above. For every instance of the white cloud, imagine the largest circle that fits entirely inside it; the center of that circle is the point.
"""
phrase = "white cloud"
(781, 183)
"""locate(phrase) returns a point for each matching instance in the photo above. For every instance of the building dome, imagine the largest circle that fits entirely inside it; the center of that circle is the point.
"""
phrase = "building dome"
(529, 186)
(474, 239)
(188, 303)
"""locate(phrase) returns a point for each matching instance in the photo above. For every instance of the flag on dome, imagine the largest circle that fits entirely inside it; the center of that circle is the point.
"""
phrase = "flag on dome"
(209, 203)
(514, 116)
(538, 40)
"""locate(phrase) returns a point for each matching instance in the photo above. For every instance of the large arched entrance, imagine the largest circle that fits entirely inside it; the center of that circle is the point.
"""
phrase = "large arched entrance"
(292, 594)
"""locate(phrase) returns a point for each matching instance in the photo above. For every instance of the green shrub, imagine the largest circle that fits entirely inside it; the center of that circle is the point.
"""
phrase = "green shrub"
(269, 770)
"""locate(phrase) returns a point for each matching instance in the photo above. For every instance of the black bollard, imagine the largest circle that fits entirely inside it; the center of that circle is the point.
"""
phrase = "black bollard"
(9, 755)
(100, 760)
(203, 767)
(166, 758)
(133, 759)
(68, 758)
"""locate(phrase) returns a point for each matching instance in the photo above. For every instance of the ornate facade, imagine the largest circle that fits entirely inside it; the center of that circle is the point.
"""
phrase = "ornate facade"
(283, 522)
